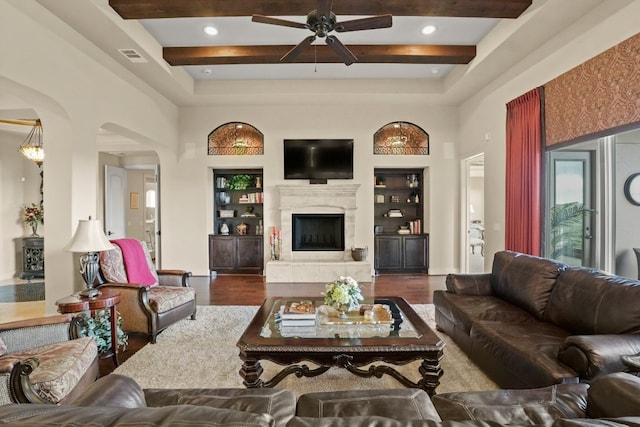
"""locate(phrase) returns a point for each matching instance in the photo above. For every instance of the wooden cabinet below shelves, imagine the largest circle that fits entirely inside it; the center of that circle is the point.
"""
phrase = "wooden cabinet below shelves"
(236, 254)
(402, 253)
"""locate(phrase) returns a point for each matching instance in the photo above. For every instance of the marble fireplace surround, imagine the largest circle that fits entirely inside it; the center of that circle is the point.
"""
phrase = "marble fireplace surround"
(317, 266)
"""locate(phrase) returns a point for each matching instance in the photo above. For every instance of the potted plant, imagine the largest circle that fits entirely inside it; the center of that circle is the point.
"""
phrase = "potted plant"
(98, 327)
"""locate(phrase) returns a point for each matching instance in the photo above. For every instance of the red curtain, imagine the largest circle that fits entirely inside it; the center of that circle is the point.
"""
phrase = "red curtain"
(524, 163)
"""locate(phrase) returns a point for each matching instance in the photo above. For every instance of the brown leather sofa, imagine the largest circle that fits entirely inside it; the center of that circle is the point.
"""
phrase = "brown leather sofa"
(533, 322)
(115, 400)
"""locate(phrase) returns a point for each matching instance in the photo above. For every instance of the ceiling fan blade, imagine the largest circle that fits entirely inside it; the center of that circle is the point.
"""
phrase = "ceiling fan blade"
(276, 21)
(324, 9)
(372, 23)
(347, 56)
(297, 49)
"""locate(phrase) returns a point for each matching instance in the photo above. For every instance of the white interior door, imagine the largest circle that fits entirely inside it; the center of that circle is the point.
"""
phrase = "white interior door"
(115, 190)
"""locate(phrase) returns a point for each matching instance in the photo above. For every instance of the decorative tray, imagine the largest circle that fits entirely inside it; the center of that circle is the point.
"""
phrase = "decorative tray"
(376, 314)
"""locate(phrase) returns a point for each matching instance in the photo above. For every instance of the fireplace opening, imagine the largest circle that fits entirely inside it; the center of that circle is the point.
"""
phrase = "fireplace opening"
(318, 232)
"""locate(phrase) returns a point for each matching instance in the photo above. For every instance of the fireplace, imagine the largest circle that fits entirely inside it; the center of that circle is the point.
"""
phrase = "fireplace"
(322, 209)
(317, 232)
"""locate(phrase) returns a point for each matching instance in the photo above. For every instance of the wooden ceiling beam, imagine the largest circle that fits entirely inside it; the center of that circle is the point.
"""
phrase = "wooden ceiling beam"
(371, 54)
(153, 9)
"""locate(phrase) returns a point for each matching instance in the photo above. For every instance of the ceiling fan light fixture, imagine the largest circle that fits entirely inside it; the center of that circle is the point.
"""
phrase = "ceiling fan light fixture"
(428, 29)
(32, 147)
(210, 30)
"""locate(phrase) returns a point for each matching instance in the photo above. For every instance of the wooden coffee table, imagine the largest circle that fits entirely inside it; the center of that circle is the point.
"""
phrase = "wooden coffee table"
(406, 339)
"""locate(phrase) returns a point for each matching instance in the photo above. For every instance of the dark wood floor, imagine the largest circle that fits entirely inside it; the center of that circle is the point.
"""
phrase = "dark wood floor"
(252, 290)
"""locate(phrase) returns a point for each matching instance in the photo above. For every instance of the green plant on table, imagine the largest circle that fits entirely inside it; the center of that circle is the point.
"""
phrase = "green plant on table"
(344, 291)
(98, 327)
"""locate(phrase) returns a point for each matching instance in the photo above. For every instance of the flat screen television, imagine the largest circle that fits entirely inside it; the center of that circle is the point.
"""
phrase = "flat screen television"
(318, 159)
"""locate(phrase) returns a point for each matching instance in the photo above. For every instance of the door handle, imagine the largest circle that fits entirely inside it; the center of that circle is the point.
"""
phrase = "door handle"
(109, 233)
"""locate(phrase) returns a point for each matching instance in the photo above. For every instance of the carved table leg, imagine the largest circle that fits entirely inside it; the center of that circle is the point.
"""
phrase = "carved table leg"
(250, 372)
(431, 372)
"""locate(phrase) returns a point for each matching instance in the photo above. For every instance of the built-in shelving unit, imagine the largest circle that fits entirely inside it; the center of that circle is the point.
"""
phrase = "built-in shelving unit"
(236, 244)
(400, 241)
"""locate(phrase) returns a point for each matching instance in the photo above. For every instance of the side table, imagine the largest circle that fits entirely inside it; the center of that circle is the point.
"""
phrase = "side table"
(108, 298)
(32, 258)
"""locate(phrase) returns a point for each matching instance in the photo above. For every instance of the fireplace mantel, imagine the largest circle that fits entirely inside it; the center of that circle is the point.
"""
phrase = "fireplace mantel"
(293, 196)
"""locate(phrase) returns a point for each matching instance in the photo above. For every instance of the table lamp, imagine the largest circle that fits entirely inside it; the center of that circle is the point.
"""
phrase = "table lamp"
(89, 239)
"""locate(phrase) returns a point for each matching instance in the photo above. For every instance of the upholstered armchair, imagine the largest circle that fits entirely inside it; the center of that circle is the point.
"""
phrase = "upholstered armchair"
(148, 308)
(44, 360)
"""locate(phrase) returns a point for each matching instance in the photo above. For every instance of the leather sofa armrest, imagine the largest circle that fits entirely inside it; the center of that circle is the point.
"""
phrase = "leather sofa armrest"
(469, 284)
(594, 355)
(615, 395)
(174, 278)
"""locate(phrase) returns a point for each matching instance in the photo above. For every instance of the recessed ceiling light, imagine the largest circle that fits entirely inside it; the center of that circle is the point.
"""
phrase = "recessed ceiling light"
(212, 31)
(428, 29)
(435, 70)
(206, 71)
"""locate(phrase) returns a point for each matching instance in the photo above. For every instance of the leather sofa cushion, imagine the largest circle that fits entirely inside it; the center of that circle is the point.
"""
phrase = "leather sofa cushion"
(524, 280)
(587, 301)
(587, 422)
(614, 395)
(463, 310)
(278, 403)
(99, 416)
(521, 355)
(528, 406)
(375, 421)
(414, 404)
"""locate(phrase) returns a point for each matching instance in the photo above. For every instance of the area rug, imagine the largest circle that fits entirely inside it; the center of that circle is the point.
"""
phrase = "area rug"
(203, 354)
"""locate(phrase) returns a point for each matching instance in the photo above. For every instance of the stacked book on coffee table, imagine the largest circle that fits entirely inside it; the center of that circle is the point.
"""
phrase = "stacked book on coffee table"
(298, 317)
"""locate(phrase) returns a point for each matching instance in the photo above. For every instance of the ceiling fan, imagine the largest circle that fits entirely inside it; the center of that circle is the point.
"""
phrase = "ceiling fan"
(321, 22)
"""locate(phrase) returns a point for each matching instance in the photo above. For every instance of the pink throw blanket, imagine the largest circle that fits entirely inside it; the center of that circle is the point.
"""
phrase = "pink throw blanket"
(135, 262)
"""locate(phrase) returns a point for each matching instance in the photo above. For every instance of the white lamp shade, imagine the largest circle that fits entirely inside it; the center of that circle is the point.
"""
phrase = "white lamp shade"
(89, 237)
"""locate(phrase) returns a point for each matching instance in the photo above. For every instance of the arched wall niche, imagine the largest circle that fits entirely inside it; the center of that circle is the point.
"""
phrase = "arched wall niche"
(235, 139)
(401, 138)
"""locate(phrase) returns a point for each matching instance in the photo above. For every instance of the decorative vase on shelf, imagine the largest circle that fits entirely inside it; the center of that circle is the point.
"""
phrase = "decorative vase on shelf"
(34, 229)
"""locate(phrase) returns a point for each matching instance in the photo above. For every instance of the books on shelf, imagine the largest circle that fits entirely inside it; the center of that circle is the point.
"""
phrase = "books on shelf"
(251, 198)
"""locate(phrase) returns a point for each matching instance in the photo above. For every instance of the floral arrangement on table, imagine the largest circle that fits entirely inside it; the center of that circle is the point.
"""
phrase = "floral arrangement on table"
(343, 294)
(32, 216)
(98, 327)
